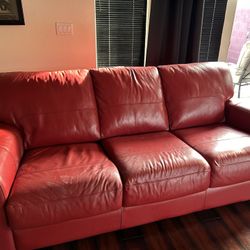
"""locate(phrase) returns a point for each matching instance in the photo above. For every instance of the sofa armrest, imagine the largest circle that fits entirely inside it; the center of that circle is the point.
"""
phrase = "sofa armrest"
(11, 151)
(238, 114)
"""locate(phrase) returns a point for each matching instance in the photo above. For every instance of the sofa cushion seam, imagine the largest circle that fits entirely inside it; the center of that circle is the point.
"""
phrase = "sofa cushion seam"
(2, 193)
(53, 224)
(47, 170)
(199, 97)
(229, 164)
(56, 112)
(165, 179)
(208, 142)
(180, 149)
(71, 198)
(130, 104)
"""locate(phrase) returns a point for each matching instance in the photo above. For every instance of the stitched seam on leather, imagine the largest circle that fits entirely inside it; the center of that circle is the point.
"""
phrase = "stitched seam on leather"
(22, 172)
(71, 197)
(124, 156)
(219, 140)
(56, 112)
(199, 97)
(205, 198)
(96, 107)
(164, 101)
(165, 179)
(129, 104)
(224, 165)
(2, 192)
(52, 224)
(138, 103)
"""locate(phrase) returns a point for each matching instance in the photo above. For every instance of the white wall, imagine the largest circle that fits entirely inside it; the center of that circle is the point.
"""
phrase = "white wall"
(227, 29)
(35, 46)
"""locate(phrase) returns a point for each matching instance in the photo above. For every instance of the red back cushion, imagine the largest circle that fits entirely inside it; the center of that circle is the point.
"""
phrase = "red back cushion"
(196, 93)
(130, 100)
(50, 107)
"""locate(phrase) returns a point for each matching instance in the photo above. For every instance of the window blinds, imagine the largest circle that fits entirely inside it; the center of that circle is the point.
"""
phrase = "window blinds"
(120, 28)
(213, 20)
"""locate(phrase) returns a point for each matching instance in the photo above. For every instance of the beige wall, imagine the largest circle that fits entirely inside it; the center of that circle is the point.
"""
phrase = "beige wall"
(227, 29)
(36, 46)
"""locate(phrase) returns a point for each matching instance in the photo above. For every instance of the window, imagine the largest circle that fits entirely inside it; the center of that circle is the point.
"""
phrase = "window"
(120, 28)
(213, 20)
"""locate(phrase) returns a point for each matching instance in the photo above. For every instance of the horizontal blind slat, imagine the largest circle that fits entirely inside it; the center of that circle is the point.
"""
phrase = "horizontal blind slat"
(213, 20)
(120, 26)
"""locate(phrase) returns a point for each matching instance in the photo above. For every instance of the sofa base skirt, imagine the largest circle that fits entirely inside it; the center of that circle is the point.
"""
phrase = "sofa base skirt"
(221, 196)
(27, 239)
(6, 236)
(130, 216)
(138, 215)
(212, 197)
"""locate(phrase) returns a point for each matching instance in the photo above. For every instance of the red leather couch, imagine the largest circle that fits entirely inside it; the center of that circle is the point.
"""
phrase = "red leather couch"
(87, 152)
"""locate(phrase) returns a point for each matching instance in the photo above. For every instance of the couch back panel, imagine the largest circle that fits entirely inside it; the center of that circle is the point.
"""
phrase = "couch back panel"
(196, 93)
(50, 107)
(130, 100)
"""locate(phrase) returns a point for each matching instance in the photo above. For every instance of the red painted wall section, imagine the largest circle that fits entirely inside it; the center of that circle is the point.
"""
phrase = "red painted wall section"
(241, 30)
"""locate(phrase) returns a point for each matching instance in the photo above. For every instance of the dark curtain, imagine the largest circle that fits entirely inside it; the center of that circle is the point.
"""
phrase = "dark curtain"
(174, 31)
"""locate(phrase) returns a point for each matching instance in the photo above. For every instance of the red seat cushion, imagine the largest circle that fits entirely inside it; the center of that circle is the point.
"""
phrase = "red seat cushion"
(226, 149)
(196, 93)
(56, 184)
(50, 108)
(130, 100)
(157, 167)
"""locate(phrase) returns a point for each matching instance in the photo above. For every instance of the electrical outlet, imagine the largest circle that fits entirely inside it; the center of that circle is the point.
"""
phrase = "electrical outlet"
(64, 28)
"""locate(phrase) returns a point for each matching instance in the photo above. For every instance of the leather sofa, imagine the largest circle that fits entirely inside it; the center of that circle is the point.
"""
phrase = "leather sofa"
(87, 152)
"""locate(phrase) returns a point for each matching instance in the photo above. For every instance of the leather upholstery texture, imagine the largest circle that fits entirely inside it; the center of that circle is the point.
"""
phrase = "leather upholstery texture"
(196, 93)
(142, 214)
(226, 149)
(50, 107)
(61, 183)
(6, 234)
(33, 238)
(238, 114)
(156, 167)
(11, 150)
(88, 152)
(221, 196)
(130, 100)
